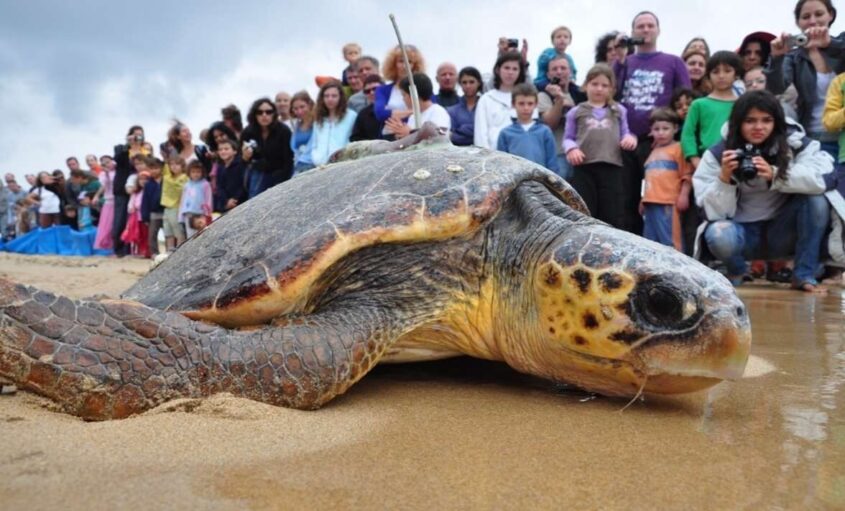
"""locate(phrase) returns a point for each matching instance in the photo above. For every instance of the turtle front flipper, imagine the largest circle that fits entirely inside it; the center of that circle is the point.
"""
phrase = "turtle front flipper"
(112, 359)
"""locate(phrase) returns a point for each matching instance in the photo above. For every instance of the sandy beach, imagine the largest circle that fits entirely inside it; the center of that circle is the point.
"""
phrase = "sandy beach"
(455, 434)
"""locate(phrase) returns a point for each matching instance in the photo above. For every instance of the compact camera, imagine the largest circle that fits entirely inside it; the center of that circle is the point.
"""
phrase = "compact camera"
(746, 171)
(252, 144)
(513, 43)
(796, 41)
(554, 80)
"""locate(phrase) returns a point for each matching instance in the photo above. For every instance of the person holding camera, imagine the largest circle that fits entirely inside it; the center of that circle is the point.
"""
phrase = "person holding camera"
(809, 61)
(646, 81)
(560, 96)
(266, 147)
(761, 191)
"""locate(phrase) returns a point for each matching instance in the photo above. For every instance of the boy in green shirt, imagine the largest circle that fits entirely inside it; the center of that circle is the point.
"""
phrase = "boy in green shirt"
(707, 115)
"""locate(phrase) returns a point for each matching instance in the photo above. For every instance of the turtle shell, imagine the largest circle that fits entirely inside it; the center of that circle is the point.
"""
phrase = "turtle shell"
(260, 260)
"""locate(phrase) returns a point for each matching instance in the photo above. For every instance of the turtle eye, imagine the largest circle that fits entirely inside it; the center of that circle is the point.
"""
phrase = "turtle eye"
(662, 306)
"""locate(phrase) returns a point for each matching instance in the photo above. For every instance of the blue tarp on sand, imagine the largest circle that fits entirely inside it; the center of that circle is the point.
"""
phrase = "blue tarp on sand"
(56, 240)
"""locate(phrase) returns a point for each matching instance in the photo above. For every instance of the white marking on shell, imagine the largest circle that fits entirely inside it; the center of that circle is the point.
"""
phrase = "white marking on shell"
(454, 168)
(422, 174)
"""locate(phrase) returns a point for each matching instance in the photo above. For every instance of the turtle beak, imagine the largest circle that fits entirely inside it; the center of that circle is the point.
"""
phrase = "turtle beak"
(684, 365)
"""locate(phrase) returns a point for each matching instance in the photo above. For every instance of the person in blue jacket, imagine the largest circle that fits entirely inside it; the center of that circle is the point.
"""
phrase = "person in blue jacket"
(463, 113)
(526, 137)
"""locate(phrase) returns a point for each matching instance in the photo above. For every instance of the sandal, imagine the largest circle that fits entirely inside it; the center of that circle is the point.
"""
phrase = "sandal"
(808, 286)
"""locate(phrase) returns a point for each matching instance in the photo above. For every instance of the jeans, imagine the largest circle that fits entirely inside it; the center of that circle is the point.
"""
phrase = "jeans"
(300, 167)
(797, 228)
(657, 223)
(564, 169)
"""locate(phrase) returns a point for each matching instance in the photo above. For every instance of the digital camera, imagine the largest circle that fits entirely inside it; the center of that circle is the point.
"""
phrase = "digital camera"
(630, 42)
(513, 43)
(746, 171)
(796, 41)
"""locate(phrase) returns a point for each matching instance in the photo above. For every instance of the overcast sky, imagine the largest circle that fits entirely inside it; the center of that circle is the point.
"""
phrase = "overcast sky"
(75, 75)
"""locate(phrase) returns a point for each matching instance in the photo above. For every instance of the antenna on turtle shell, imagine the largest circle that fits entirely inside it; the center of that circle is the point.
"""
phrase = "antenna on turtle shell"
(412, 90)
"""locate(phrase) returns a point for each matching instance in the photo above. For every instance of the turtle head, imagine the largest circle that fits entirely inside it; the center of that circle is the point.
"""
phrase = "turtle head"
(617, 313)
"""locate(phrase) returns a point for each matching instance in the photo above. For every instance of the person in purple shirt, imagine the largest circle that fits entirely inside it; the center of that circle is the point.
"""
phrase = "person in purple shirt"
(647, 80)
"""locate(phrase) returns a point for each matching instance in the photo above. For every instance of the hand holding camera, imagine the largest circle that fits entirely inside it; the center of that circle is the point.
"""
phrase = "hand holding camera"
(744, 164)
(814, 37)
(248, 149)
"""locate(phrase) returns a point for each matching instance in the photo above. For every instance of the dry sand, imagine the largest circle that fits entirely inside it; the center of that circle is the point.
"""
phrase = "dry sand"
(458, 434)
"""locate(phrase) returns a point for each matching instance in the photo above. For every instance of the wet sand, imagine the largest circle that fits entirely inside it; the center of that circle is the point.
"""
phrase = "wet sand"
(456, 434)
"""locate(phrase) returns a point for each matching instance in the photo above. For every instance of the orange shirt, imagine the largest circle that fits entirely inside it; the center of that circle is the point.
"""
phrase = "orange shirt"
(665, 170)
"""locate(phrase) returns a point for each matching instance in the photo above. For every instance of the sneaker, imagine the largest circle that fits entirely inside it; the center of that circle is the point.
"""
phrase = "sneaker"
(783, 275)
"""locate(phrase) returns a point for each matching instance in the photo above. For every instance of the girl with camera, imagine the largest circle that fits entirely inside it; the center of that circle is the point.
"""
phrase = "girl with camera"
(810, 63)
(761, 191)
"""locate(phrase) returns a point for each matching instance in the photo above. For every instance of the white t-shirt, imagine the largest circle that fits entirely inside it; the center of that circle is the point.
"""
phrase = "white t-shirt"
(822, 83)
(435, 114)
(49, 202)
(395, 102)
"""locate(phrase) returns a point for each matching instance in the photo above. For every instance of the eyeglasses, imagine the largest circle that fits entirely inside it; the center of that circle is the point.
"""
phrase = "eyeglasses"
(756, 81)
(264, 112)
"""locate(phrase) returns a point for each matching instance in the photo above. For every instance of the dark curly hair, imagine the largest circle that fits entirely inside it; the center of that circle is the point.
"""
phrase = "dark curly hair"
(601, 46)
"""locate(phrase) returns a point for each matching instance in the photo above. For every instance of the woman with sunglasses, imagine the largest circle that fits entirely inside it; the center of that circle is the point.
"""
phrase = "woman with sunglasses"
(367, 126)
(266, 147)
(332, 123)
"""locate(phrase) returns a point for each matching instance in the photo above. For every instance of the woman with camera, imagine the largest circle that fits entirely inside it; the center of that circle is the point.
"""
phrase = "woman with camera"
(266, 147)
(809, 61)
(761, 191)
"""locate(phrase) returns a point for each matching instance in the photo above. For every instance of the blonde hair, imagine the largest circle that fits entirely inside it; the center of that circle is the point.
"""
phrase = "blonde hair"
(351, 46)
(558, 29)
(415, 58)
(177, 160)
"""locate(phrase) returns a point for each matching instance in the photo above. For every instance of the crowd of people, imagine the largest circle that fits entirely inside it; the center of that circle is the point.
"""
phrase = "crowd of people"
(725, 155)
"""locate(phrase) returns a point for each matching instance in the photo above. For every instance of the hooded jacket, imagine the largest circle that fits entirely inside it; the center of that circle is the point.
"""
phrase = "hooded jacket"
(808, 173)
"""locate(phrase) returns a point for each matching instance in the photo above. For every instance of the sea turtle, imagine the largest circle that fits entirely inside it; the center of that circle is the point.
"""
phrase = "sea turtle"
(413, 254)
